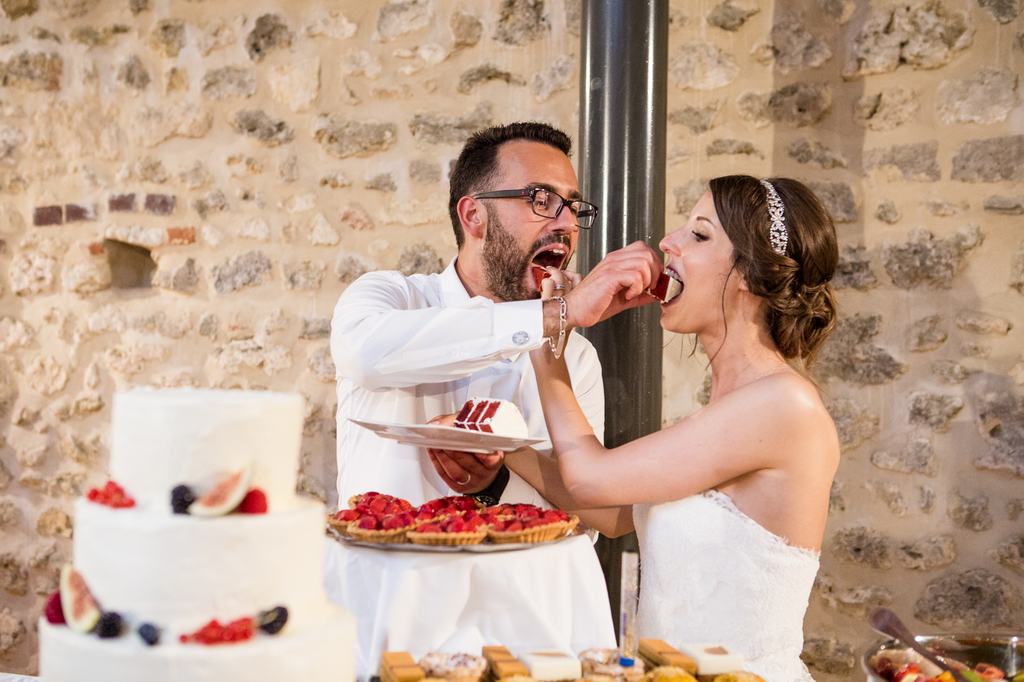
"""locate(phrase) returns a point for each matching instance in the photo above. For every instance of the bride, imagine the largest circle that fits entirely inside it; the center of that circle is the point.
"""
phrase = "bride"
(729, 504)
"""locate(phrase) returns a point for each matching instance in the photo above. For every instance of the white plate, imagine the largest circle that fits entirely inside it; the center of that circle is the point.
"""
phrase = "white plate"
(445, 437)
(482, 548)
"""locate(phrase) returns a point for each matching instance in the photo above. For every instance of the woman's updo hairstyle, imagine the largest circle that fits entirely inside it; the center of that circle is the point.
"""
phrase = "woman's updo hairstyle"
(801, 307)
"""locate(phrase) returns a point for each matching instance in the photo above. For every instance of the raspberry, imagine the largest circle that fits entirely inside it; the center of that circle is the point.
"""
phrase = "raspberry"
(110, 625)
(273, 620)
(182, 498)
(54, 611)
(149, 634)
(215, 633)
(254, 502)
(111, 495)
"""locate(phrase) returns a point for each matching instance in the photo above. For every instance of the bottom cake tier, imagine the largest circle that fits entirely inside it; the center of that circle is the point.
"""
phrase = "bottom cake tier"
(322, 652)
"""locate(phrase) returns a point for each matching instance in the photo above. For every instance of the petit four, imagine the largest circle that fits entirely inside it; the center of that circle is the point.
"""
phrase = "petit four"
(656, 653)
(712, 659)
(549, 665)
(399, 666)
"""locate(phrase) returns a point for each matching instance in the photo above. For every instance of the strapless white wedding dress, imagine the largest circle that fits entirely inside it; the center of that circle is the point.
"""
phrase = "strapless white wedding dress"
(711, 574)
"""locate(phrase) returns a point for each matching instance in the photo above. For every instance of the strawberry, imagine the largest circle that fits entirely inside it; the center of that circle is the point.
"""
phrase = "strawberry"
(369, 523)
(254, 502)
(429, 528)
(378, 505)
(54, 611)
(347, 515)
(392, 522)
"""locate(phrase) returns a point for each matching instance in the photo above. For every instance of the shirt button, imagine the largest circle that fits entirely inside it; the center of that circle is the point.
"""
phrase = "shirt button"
(520, 338)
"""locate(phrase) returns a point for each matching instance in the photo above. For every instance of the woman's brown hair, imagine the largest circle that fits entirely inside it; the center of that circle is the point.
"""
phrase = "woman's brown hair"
(800, 308)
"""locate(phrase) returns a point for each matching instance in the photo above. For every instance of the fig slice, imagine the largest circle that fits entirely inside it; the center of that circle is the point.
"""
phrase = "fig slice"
(225, 496)
(80, 608)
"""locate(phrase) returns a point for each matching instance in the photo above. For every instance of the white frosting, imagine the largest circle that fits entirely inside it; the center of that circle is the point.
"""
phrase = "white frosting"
(161, 438)
(549, 664)
(179, 571)
(712, 659)
(323, 652)
(506, 419)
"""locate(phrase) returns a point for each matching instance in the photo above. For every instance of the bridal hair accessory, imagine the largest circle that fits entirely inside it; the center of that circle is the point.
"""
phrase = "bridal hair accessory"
(777, 235)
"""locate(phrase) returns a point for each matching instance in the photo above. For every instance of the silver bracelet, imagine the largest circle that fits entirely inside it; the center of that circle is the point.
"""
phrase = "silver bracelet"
(556, 348)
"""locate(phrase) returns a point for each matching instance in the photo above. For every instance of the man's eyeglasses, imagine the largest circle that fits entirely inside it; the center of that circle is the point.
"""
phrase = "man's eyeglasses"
(548, 204)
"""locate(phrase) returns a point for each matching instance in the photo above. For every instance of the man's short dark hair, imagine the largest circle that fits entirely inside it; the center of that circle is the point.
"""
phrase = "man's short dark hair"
(477, 165)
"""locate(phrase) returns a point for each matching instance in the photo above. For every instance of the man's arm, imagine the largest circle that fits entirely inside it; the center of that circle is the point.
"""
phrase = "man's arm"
(388, 334)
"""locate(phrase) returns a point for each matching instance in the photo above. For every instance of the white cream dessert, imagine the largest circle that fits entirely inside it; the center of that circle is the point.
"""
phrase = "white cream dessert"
(713, 659)
(488, 415)
(177, 572)
(548, 665)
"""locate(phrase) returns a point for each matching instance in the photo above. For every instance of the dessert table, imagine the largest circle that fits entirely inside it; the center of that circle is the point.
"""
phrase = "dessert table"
(548, 596)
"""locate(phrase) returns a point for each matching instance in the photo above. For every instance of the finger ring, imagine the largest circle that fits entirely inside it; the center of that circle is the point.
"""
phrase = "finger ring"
(558, 286)
(469, 477)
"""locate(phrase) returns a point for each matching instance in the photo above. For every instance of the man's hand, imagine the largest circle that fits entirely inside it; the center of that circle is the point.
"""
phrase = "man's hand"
(464, 472)
(618, 282)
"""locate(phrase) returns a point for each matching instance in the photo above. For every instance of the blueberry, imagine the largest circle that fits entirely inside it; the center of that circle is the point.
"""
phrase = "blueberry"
(273, 620)
(182, 498)
(109, 625)
(149, 633)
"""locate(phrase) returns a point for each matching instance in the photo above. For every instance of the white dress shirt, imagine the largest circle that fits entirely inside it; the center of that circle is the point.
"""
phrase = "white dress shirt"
(408, 349)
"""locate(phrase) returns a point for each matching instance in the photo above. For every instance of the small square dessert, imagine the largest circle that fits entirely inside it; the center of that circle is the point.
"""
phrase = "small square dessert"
(399, 666)
(712, 659)
(454, 667)
(606, 662)
(502, 663)
(656, 653)
(549, 665)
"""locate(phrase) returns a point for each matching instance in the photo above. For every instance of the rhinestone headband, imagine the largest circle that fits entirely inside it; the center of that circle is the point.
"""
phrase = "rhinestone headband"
(778, 236)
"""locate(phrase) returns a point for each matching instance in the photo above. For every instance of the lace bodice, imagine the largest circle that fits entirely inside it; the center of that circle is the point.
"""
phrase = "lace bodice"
(711, 574)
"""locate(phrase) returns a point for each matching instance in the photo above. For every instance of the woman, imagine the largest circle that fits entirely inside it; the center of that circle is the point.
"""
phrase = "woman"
(730, 503)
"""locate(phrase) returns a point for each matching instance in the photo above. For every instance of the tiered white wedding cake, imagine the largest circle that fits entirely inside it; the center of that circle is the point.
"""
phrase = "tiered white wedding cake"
(179, 571)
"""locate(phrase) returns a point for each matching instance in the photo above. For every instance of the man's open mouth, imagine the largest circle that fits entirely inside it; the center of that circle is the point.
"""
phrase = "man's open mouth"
(551, 256)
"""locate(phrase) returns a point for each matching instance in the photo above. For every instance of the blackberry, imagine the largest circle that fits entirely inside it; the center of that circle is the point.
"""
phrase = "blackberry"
(182, 498)
(149, 633)
(273, 620)
(109, 625)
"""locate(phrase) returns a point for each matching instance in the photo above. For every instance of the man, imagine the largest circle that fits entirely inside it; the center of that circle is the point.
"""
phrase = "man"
(408, 349)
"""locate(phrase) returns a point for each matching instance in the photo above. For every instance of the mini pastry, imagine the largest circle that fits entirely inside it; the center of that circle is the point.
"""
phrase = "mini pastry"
(606, 662)
(657, 653)
(454, 667)
(712, 659)
(547, 665)
(398, 666)
(739, 676)
(503, 665)
(668, 673)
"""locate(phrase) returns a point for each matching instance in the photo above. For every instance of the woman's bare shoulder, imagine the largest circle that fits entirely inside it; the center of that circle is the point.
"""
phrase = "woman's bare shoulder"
(795, 405)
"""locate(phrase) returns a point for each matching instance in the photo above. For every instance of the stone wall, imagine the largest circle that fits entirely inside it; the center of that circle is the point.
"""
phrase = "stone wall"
(186, 187)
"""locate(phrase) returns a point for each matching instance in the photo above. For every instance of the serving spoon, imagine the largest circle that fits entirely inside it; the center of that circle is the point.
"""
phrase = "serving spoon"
(886, 622)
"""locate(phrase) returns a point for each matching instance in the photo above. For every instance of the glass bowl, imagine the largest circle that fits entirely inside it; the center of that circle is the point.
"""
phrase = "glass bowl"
(1003, 651)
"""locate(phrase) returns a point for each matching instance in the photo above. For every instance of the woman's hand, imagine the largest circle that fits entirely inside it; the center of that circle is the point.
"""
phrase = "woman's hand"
(464, 472)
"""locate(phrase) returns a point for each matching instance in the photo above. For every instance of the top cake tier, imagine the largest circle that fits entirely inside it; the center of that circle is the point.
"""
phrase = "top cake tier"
(161, 438)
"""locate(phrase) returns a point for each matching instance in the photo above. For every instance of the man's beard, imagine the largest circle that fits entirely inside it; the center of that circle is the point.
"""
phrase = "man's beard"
(506, 265)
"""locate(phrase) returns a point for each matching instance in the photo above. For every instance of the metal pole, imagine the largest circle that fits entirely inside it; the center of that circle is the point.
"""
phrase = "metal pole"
(623, 93)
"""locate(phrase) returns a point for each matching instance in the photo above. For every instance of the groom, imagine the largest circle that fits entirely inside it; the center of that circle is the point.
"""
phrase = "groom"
(409, 348)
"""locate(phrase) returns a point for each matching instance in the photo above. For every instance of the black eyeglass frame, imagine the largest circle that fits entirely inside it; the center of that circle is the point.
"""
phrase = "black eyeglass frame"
(531, 193)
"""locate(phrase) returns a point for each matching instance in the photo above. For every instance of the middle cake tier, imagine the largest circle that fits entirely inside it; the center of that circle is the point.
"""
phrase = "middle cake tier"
(180, 571)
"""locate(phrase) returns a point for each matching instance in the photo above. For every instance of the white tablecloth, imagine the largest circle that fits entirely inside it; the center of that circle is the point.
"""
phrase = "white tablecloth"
(551, 596)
